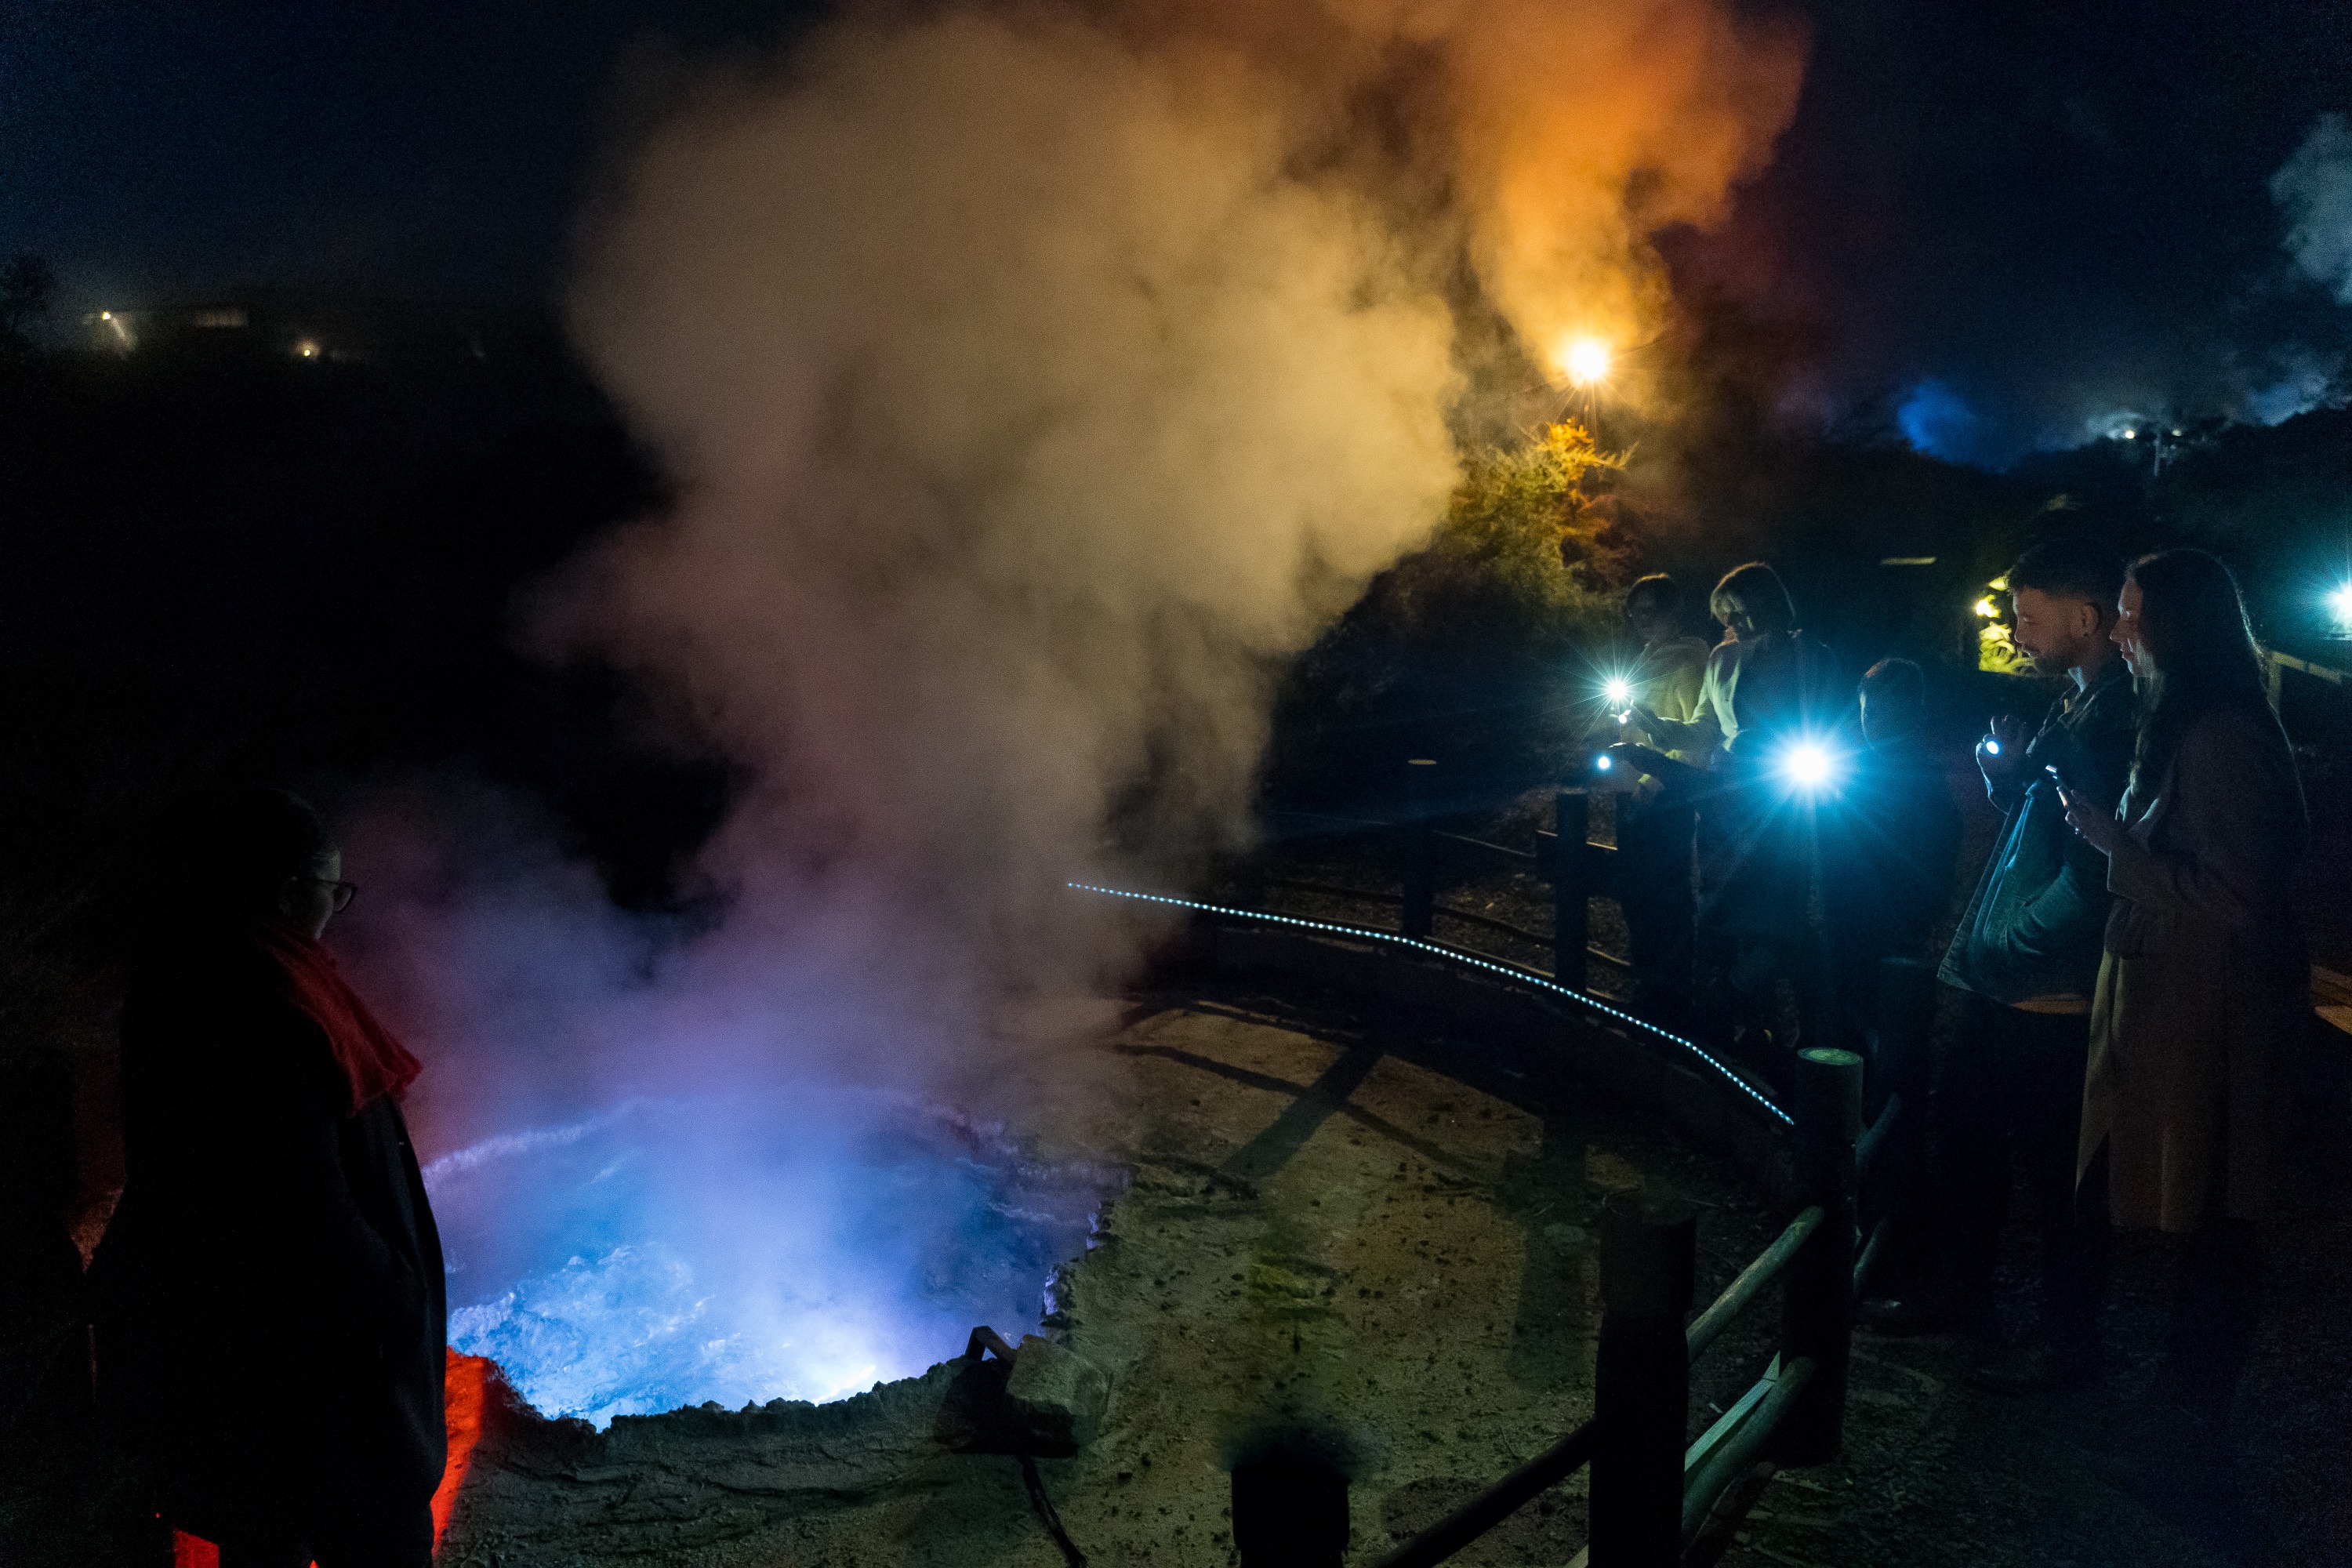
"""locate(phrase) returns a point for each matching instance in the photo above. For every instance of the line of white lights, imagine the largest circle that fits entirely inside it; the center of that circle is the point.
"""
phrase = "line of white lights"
(1508, 970)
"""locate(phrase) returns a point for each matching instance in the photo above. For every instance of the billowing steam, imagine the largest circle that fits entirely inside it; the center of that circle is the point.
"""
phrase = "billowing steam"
(2314, 187)
(1031, 385)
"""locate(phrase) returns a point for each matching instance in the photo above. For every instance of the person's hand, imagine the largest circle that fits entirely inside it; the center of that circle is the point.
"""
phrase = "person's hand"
(1639, 718)
(2099, 830)
(2000, 755)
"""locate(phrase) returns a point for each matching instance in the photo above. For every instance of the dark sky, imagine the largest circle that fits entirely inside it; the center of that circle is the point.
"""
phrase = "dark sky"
(2046, 212)
(1999, 220)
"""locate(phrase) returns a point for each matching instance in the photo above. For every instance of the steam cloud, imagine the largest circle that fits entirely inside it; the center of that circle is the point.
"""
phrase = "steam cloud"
(2314, 187)
(1032, 385)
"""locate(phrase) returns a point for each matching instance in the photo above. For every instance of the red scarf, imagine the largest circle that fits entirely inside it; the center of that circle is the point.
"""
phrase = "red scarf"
(373, 1061)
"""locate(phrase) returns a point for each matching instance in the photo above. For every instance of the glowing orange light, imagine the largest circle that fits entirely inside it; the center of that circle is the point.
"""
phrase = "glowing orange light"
(306, 349)
(1586, 360)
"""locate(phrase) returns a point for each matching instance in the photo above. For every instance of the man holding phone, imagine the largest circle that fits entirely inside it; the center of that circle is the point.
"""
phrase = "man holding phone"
(2025, 958)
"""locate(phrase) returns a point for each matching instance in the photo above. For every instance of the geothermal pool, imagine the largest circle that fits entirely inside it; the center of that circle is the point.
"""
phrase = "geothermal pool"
(740, 1247)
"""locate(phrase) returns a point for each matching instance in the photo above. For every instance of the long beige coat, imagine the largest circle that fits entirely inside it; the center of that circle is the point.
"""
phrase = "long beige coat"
(2203, 977)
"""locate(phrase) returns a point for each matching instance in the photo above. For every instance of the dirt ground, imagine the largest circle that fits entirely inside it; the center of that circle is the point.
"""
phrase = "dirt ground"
(1387, 1236)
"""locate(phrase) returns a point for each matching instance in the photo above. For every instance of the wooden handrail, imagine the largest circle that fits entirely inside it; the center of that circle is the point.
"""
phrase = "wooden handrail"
(1742, 1291)
(1496, 1503)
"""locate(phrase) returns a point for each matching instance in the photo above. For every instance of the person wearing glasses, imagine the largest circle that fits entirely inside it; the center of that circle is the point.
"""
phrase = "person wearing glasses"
(268, 1307)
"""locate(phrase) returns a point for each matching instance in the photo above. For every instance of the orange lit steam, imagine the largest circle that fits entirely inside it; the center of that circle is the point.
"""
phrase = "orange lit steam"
(1550, 138)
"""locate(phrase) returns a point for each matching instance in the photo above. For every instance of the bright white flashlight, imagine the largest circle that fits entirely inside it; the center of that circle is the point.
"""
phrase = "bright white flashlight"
(1603, 763)
(1993, 748)
(2339, 603)
(1808, 765)
(1618, 691)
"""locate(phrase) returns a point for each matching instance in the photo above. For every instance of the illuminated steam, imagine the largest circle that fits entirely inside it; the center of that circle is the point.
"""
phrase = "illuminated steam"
(2314, 187)
(1031, 386)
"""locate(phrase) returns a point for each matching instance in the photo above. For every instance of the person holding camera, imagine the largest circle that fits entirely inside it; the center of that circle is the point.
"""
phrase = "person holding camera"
(2024, 961)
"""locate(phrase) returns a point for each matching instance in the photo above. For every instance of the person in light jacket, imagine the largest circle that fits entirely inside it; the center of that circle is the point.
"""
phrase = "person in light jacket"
(1769, 684)
(2203, 977)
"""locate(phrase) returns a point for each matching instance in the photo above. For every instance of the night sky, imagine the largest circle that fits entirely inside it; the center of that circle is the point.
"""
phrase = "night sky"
(1996, 222)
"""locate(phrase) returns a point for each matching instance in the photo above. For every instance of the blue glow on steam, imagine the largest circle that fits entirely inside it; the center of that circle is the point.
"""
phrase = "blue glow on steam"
(742, 1249)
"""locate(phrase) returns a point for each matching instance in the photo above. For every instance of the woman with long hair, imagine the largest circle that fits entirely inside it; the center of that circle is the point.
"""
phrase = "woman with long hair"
(268, 1302)
(2204, 973)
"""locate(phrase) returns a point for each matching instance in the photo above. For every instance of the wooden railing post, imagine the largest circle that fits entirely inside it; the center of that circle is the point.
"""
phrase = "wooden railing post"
(1641, 1394)
(1817, 1319)
(1571, 884)
(1419, 844)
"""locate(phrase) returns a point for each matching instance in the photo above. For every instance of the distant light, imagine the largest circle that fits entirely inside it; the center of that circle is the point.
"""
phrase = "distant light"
(1808, 765)
(1906, 561)
(1586, 360)
(2175, 432)
(106, 315)
(2340, 603)
(306, 349)
(1603, 763)
(1988, 609)
(2131, 434)
(1617, 690)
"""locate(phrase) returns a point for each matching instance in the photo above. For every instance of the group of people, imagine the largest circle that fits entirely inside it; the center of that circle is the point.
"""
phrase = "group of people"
(2124, 976)
(269, 1312)
(1757, 763)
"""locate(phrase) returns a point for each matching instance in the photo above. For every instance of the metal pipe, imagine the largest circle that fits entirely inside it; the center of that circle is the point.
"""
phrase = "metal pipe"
(1737, 1295)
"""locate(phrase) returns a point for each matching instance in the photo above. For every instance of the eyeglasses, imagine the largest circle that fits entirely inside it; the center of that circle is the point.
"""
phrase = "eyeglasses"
(342, 893)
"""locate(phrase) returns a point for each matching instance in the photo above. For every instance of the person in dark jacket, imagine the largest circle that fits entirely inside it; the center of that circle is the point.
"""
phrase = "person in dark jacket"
(2023, 962)
(270, 1311)
(1888, 847)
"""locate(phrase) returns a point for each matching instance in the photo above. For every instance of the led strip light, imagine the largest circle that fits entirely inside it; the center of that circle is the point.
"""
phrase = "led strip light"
(1511, 972)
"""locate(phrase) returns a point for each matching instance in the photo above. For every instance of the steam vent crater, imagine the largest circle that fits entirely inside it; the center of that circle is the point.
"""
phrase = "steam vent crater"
(1335, 1220)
